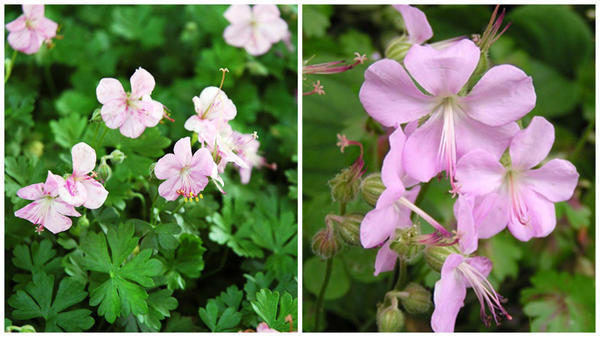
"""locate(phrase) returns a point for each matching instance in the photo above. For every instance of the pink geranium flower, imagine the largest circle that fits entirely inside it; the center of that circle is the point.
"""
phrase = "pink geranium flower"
(483, 119)
(185, 175)
(213, 108)
(47, 210)
(80, 188)
(518, 195)
(416, 24)
(254, 29)
(458, 274)
(29, 31)
(248, 145)
(131, 112)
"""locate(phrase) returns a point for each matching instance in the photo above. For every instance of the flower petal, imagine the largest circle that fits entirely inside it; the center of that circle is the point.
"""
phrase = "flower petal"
(110, 89)
(47, 28)
(491, 214)
(471, 135)
(168, 189)
(541, 216)
(183, 151)
(390, 96)
(202, 162)
(416, 24)
(479, 173)
(133, 126)
(420, 156)
(265, 12)
(556, 180)
(20, 40)
(96, 193)
(30, 212)
(377, 226)
(465, 224)
(35, 43)
(31, 192)
(150, 112)
(84, 158)
(504, 94)
(238, 13)
(448, 296)
(56, 222)
(482, 264)
(72, 192)
(114, 113)
(17, 24)
(142, 83)
(238, 34)
(167, 166)
(391, 170)
(33, 11)
(442, 72)
(258, 43)
(64, 208)
(274, 30)
(531, 145)
(386, 259)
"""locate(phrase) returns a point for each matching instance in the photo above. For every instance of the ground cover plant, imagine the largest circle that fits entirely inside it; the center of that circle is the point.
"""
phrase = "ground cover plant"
(460, 195)
(150, 168)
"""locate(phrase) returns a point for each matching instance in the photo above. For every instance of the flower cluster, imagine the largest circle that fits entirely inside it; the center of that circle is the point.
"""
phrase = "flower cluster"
(57, 198)
(447, 113)
(31, 30)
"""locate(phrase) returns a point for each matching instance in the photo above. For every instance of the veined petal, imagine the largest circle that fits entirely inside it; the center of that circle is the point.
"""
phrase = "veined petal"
(391, 170)
(183, 151)
(20, 40)
(482, 264)
(471, 135)
(503, 95)
(150, 111)
(491, 214)
(133, 126)
(274, 29)
(110, 89)
(531, 145)
(72, 192)
(390, 96)
(202, 162)
(556, 180)
(16, 25)
(56, 222)
(385, 260)
(541, 217)
(33, 11)
(84, 159)
(114, 113)
(96, 193)
(238, 13)
(47, 28)
(442, 72)
(167, 166)
(35, 43)
(448, 296)
(31, 212)
(237, 34)
(416, 24)
(258, 43)
(142, 83)
(479, 173)
(420, 156)
(31, 192)
(168, 189)
(64, 208)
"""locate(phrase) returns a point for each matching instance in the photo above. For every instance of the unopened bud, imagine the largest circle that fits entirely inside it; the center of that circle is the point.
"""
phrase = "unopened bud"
(325, 243)
(405, 245)
(83, 221)
(435, 256)
(389, 319)
(418, 300)
(397, 49)
(349, 228)
(35, 148)
(345, 185)
(96, 116)
(104, 171)
(371, 188)
(117, 156)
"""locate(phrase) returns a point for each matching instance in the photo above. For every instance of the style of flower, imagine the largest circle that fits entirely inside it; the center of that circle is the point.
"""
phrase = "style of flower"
(30, 30)
(457, 124)
(458, 273)
(518, 195)
(416, 24)
(80, 188)
(47, 210)
(254, 29)
(213, 108)
(185, 175)
(131, 112)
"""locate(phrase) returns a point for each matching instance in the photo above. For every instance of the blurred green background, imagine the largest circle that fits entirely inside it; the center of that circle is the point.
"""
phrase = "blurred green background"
(548, 283)
(49, 99)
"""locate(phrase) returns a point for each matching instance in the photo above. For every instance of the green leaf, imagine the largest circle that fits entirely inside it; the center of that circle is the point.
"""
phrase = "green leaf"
(314, 275)
(578, 217)
(38, 257)
(68, 130)
(274, 310)
(73, 102)
(221, 313)
(137, 23)
(186, 261)
(316, 20)
(36, 301)
(560, 302)
(160, 305)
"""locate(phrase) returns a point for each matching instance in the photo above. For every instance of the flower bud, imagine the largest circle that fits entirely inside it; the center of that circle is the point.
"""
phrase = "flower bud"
(35, 148)
(435, 256)
(389, 319)
(405, 244)
(96, 116)
(371, 188)
(104, 171)
(325, 243)
(349, 229)
(344, 186)
(83, 221)
(418, 301)
(397, 49)
(117, 156)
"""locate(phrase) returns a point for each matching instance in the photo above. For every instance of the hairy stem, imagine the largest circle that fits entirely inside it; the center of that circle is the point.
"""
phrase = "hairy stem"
(328, 270)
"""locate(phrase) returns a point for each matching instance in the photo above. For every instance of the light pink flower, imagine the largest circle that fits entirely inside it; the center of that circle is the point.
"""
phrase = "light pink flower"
(518, 195)
(483, 119)
(254, 29)
(47, 210)
(459, 273)
(29, 31)
(264, 327)
(185, 175)
(131, 112)
(225, 144)
(213, 108)
(80, 188)
(248, 150)
(415, 21)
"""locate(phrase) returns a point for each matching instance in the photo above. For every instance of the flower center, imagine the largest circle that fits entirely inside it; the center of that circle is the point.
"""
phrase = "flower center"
(187, 188)
(448, 110)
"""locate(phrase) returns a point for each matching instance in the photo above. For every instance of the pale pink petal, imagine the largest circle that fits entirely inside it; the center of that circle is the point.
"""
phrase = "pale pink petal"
(33, 11)
(377, 226)
(258, 44)
(47, 28)
(503, 95)
(448, 296)
(390, 96)
(410, 127)
(133, 126)
(416, 24)
(478, 173)
(35, 43)
(142, 83)
(213, 103)
(202, 162)
(491, 214)
(556, 180)
(110, 89)
(238, 13)
(245, 174)
(84, 159)
(72, 192)
(531, 145)
(265, 12)
(17, 24)
(183, 151)
(56, 222)
(64, 208)
(442, 72)
(231, 157)
(540, 215)
(31, 192)
(420, 156)
(386, 259)
(114, 113)
(168, 189)
(150, 112)
(471, 135)
(52, 184)
(193, 123)
(198, 181)
(96, 193)
(238, 34)
(482, 264)
(391, 169)
(167, 166)
(465, 225)
(21, 40)
(31, 212)
(273, 30)
(264, 327)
